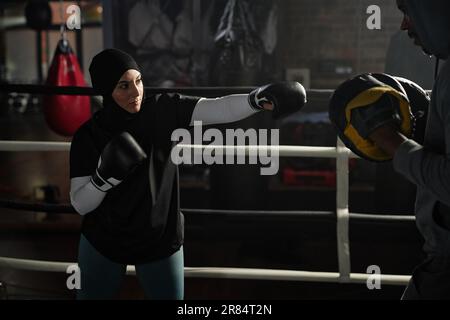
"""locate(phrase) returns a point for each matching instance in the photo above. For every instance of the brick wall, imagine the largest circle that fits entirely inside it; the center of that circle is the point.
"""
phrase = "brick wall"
(330, 37)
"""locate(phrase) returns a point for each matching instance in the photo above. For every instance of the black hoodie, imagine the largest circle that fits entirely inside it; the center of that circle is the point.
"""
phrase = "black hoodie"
(428, 166)
(431, 20)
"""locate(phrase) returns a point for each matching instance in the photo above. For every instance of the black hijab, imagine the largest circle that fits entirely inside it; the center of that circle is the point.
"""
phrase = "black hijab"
(106, 69)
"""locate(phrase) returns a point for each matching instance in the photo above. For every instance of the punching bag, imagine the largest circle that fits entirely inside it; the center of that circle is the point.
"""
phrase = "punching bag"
(65, 113)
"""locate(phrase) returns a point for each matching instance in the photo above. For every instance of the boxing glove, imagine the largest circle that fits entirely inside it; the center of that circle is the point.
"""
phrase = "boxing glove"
(118, 159)
(286, 98)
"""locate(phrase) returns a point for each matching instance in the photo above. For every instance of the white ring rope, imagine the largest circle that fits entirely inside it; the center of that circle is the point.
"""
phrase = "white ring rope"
(342, 213)
(222, 273)
(284, 151)
(34, 146)
(341, 153)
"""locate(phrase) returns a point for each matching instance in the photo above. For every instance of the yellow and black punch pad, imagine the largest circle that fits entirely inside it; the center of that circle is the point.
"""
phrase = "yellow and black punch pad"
(361, 91)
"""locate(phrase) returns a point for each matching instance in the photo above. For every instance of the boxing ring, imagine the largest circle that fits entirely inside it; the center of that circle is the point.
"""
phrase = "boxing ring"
(341, 217)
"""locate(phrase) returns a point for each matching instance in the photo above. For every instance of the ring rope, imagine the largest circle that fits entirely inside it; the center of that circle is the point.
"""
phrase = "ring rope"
(341, 154)
(284, 151)
(221, 273)
(68, 209)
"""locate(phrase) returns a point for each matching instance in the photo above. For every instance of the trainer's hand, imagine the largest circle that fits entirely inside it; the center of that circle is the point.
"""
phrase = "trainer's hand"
(118, 159)
(283, 98)
(387, 138)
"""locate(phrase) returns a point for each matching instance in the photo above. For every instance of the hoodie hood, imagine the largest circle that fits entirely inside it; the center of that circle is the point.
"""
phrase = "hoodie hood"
(431, 20)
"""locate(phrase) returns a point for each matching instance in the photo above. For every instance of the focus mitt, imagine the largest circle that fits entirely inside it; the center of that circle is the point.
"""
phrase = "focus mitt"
(419, 101)
(361, 105)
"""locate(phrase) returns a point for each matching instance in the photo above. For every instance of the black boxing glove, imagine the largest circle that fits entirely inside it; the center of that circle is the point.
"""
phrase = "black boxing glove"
(286, 98)
(118, 159)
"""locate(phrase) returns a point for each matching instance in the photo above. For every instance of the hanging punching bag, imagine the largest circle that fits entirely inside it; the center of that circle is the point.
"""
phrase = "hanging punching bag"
(65, 113)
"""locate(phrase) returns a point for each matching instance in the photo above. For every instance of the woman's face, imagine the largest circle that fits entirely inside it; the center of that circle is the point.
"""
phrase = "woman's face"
(129, 91)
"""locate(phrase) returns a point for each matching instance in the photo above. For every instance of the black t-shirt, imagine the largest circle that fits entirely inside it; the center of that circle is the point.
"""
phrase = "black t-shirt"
(127, 227)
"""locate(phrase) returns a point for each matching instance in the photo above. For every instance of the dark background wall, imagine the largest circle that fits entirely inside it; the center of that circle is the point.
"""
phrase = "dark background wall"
(325, 35)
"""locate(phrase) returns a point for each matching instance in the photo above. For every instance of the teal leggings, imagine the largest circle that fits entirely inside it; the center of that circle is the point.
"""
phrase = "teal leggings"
(101, 278)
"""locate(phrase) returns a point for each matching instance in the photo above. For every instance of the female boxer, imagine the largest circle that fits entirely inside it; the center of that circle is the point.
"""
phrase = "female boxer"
(124, 183)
